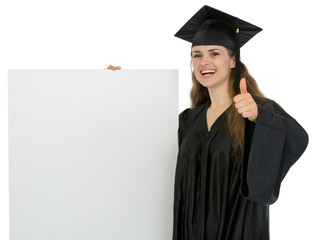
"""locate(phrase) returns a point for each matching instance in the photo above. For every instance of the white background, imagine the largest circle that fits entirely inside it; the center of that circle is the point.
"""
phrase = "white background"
(68, 34)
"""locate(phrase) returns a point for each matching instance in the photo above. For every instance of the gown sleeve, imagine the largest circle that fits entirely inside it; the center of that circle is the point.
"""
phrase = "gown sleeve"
(272, 145)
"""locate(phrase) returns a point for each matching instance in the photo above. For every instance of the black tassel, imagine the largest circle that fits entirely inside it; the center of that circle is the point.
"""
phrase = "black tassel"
(237, 59)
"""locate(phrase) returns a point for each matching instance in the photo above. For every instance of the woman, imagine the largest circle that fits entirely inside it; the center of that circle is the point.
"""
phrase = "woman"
(235, 146)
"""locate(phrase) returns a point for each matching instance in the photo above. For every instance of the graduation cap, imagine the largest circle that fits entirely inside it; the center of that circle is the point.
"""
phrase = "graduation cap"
(210, 26)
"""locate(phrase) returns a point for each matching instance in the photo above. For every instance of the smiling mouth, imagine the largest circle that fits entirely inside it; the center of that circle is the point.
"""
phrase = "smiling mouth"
(207, 73)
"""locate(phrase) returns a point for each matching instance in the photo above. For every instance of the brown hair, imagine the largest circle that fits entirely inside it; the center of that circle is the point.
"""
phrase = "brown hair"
(199, 94)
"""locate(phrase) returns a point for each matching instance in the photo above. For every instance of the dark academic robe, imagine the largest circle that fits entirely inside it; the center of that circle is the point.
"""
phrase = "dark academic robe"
(217, 197)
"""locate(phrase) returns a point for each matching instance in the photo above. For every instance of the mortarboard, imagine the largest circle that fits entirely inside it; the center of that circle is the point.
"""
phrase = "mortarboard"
(210, 26)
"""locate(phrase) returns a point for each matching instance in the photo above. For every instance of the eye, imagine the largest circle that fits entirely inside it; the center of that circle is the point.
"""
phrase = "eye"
(196, 55)
(214, 54)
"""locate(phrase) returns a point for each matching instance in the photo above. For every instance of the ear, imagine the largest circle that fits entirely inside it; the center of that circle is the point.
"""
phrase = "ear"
(233, 62)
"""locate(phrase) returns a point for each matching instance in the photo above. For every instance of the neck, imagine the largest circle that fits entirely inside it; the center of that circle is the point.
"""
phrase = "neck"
(220, 96)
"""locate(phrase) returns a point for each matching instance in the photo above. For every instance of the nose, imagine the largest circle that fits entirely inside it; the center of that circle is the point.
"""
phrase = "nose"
(205, 60)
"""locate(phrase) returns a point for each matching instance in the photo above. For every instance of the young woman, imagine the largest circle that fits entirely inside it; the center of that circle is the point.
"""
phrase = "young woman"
(235, 146)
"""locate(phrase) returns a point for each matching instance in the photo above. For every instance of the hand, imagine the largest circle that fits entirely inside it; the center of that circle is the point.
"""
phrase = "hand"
(244, 102)
(110, 67)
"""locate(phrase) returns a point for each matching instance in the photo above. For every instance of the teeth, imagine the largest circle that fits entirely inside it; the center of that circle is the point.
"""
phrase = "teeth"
(208, 71)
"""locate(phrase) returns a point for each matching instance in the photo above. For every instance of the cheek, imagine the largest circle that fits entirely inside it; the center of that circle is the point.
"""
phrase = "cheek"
(227, 65)
(195, 71)
(194, 64)
(230, 62)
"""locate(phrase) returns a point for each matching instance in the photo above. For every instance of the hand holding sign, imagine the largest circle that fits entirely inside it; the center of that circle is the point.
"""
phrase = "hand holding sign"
(245, 104)
(110, 67)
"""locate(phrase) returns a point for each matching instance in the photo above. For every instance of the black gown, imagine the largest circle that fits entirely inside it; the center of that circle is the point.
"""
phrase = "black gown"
(217, 197)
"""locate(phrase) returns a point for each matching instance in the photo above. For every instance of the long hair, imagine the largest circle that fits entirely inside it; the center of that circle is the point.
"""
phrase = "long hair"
(199, 94)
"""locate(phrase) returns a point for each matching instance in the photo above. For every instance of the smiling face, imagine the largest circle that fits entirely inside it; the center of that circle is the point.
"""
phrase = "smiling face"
(212, 65)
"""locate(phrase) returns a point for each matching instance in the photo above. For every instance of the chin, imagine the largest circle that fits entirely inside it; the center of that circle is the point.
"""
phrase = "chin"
(208, 83)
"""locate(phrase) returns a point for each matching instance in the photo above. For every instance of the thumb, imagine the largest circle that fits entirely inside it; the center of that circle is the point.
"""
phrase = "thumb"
(243, 86)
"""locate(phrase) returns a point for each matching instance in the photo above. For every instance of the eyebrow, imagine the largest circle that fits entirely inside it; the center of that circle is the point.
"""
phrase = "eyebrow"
(210, 50)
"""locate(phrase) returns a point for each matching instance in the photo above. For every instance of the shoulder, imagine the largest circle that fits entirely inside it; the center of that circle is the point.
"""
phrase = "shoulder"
(187, 116)
(269, 105)
(272, 114)
(192, 112)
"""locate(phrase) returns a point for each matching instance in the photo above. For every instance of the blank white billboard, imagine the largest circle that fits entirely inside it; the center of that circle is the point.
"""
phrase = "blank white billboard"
(92, 154)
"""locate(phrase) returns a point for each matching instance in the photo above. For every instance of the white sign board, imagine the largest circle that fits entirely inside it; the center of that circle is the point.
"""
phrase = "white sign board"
(92, 154)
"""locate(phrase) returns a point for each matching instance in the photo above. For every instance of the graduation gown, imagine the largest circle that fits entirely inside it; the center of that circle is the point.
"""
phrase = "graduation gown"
(217, 197)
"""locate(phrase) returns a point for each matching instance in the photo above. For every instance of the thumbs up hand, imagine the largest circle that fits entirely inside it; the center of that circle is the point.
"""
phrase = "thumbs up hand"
(244, 102)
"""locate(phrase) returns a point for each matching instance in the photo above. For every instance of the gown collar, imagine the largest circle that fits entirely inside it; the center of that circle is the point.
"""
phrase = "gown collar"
(218, 122)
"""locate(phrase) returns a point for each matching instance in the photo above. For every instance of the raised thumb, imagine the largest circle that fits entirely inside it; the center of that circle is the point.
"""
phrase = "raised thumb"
(243, 86)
